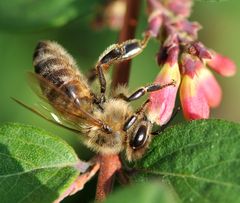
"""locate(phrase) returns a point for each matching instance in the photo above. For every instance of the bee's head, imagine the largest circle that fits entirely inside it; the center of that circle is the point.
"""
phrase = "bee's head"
(138, 138)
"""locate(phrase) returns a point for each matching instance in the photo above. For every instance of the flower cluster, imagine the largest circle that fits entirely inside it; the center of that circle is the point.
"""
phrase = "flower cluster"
(183, 59)
(110, 14)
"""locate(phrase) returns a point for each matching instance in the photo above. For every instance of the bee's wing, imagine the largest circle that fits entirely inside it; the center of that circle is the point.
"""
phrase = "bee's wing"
(52, 117)
(73, 113)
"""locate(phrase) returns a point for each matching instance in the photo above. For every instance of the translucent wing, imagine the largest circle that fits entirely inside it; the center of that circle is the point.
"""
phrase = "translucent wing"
(65, 105)
(55, 119)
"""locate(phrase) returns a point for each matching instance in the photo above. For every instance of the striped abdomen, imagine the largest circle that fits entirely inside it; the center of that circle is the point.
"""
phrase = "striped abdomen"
(62, 83)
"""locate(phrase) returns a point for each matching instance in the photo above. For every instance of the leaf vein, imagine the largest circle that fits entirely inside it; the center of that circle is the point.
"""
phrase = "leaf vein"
(227, 184)
(40, 168)
(44, 182)
(195, 191)
(41, 146)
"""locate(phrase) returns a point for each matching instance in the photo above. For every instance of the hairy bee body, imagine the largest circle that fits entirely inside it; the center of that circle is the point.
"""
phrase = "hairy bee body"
(56, 66)
(61, 79)
(107, 125)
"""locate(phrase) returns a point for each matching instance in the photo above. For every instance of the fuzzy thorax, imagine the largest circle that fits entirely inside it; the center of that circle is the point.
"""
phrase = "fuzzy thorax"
(115, 113)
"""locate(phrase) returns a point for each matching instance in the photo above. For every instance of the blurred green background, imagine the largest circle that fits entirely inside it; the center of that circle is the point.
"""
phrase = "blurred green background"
(23, 23)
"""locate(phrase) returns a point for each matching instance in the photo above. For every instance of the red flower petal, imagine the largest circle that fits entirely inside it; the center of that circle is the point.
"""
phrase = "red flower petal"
(194, 103)
(162, 102)
(210, 87)
(222, 65)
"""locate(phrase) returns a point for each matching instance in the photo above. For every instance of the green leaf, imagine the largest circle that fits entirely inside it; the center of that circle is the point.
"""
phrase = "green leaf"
(34, 166)
(35, 15)
(150, 192)
(200, 160)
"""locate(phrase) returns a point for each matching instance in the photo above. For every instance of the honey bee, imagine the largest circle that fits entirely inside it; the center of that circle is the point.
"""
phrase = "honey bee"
(107, 122)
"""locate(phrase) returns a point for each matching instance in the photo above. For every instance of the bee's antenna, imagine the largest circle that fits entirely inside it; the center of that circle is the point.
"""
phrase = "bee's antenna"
(131, 120)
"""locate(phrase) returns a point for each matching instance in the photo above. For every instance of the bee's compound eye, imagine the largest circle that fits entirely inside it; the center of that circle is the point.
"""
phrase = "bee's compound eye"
(140, 138)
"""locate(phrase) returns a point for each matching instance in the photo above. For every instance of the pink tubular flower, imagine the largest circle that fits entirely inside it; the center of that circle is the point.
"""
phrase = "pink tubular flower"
(185, 60)
(162, 102)
(222, 65)
(199, 90)
(209, 86)
(194, 104)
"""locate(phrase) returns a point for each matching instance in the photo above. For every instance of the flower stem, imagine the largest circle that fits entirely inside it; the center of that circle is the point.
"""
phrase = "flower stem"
(121, 71)
(110, 164)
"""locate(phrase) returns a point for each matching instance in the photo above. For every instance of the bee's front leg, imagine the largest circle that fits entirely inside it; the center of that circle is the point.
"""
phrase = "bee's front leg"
(133, 118)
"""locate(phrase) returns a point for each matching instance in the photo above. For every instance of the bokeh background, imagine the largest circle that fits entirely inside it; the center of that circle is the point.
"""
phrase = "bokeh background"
(23, 23)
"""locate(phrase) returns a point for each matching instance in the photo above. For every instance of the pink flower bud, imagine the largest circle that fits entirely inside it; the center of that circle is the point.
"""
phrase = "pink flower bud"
(194, 102)
(168, 53)
(180, 7)
(222, 65)
(190, 64)
(162, 102)
(155, 23)
(191, 28)
(199, 50)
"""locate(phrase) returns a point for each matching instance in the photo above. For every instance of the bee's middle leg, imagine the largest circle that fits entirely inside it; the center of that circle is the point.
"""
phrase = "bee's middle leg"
(143, 90)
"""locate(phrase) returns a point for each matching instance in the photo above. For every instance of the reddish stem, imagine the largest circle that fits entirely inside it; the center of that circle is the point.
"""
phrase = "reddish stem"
(109, 164)
(122, 71)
